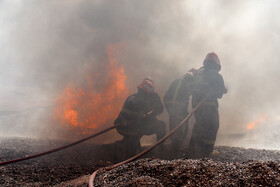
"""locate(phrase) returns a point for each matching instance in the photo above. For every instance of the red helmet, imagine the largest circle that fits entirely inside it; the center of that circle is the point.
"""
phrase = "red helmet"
(147, 86)
(212, 58)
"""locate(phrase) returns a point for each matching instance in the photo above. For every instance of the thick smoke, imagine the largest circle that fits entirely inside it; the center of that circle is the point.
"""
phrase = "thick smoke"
(45, 45)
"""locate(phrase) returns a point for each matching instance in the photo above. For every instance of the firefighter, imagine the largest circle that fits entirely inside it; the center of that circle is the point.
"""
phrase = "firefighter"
(138, 117)
(208, 84)
(176, 102)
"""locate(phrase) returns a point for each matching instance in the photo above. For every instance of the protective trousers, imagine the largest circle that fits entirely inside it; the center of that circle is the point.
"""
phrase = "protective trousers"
(131, 140)
(204, 131)
(179, 136)
(131, 145)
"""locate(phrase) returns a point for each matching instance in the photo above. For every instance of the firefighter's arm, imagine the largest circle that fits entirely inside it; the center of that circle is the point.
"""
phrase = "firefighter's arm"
(127, 113)
(221, 89)
(158, 106)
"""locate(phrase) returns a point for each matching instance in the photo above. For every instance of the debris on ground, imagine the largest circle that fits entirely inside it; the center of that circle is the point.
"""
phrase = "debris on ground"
(188, 172)
(73, 166)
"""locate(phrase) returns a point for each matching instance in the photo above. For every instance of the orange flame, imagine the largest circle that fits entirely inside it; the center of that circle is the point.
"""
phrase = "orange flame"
(252, 125)
(91, 108)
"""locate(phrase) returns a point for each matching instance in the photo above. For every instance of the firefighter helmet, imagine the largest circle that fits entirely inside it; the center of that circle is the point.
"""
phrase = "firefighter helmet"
(148, 78)
(147, 86)
(212, 58)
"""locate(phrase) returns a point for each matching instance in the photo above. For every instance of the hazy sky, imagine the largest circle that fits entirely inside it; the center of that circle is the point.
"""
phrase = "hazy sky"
(44, 45)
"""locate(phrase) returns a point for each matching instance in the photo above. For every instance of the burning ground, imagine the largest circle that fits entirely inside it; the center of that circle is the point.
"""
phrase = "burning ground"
(70, 167)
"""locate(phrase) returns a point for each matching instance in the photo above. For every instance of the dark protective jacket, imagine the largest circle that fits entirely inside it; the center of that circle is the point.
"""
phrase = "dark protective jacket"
(133, 112)
(177, 96)
(210, 84)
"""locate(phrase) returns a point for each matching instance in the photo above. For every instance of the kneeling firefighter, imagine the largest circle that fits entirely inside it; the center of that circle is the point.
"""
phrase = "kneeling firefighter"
(138, 117)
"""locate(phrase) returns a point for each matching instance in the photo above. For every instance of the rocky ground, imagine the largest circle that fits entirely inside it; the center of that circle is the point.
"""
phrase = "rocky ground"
(188, 172)
(72, 167)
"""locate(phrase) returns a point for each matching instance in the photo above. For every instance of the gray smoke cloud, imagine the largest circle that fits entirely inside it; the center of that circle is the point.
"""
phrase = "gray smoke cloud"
(44, 45)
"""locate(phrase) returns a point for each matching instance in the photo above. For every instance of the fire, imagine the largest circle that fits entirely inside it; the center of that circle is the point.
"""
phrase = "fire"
(94, 106)
(253, 124)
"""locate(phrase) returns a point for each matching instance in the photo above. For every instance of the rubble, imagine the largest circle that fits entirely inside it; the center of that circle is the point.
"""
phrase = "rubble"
(72, 167)
(188, 172)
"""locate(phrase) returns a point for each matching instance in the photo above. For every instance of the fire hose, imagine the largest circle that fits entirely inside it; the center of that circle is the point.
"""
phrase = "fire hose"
(92, 177)
(59, 148)
(66, 146)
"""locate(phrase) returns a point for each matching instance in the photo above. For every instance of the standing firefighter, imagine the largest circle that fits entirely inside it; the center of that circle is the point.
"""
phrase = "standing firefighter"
(208, 84)
(176, 102)
(138, 117)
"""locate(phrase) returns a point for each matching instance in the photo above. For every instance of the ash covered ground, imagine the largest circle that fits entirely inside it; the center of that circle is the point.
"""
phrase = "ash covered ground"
(73, 166)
